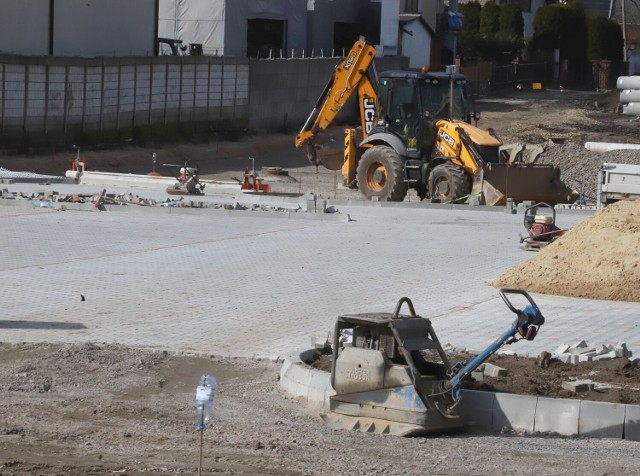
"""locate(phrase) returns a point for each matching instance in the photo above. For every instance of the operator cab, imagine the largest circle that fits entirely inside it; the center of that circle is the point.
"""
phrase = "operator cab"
(411, 102)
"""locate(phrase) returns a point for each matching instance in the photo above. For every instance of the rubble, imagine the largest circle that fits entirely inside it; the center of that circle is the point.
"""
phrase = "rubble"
(578, 386)
(582, 352)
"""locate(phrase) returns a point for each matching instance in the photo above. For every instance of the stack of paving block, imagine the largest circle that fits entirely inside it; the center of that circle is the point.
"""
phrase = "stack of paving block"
(583, 352)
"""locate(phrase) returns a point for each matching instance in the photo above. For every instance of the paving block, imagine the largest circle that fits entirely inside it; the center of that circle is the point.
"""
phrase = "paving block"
(632, 422)
(477, 408)
(578, 386)
(491, 370)
(602, 349)
(578, 347)
(569, 358)
(557, 415)
(561, 349)
(609, 356)
(477, 376)
(514, 412)
(621, 350)
(601, 420)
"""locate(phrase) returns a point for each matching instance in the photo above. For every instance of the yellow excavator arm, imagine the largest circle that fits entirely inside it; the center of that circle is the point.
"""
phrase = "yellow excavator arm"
(355, 72)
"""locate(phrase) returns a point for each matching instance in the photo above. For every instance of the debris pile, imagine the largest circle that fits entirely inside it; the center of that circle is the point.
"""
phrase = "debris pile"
(583, 352)
(597, 259)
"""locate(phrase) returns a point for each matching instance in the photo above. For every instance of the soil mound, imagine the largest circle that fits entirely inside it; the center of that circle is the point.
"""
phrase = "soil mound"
(598, 259)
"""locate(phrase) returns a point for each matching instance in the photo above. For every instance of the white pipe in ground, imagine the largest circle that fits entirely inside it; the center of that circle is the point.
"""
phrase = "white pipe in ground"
(607, 146)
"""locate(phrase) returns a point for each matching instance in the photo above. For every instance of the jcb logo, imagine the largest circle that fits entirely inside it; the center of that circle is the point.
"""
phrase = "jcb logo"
(447, 138)
(349, 62)
(369, 111)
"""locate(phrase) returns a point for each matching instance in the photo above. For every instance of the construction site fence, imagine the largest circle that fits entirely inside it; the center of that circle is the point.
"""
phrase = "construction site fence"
(485, 78)
(61, 101)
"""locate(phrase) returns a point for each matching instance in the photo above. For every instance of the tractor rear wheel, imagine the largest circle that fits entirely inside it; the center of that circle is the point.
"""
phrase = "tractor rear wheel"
(380, 174)
(448, 182)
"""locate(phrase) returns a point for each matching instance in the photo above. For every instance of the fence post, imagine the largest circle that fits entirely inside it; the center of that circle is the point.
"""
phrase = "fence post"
(46, 99)
(25, 105)
(84, 96)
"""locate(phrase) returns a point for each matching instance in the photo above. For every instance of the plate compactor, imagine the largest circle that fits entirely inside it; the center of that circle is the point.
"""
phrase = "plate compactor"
(187, 181)
(394, 377)
(540, 223)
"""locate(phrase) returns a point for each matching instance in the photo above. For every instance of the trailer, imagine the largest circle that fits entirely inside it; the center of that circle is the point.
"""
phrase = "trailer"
(618, 182)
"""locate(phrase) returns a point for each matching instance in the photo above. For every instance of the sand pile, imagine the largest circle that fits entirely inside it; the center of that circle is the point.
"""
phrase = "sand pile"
(598, 259)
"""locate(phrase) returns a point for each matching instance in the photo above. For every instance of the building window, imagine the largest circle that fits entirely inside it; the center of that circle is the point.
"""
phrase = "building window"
(411, 6)
(265, 38)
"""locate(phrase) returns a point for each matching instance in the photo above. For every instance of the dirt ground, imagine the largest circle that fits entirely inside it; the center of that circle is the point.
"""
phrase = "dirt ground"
(103, 409)
(98, 409)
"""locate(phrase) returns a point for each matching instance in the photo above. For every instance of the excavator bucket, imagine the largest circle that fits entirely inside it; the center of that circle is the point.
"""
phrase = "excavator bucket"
(521, 181)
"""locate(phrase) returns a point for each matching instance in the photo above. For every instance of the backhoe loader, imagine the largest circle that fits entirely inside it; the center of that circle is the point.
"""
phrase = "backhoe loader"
(416, 132)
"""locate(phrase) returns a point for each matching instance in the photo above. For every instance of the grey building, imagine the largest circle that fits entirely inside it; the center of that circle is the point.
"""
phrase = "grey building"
(84, 28)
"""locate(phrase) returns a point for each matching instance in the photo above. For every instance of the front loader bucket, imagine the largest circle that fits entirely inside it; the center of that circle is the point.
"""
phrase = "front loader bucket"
(489, 194)
(535, 182)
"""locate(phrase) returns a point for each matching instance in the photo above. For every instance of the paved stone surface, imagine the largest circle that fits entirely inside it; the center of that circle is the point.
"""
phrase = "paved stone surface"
(245, 285)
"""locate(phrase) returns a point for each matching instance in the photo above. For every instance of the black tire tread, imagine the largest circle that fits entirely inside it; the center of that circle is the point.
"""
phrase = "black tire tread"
(397, 190)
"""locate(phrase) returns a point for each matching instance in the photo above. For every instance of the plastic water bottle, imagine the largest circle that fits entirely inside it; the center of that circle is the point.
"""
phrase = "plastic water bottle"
(204, 399)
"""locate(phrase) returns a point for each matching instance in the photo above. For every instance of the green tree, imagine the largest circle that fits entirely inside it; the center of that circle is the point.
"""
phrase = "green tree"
(605, 41)
(547, 26)
(511, 21)
(489, 19)
(561, 26)
(574, 36)
(470, 17)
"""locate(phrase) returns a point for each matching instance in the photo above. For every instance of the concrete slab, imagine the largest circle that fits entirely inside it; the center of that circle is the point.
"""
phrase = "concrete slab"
(602, 420)
(561, 416)
(514, 412)
(632, 422)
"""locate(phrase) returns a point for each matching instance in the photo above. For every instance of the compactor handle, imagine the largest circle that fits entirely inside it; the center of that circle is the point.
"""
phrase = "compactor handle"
(529, 318)
(402, 301)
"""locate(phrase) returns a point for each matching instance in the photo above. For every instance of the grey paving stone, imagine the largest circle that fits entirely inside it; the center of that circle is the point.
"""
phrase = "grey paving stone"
(240, 285)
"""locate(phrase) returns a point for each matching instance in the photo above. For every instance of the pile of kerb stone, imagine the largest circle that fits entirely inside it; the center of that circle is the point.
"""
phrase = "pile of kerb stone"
(583, 352)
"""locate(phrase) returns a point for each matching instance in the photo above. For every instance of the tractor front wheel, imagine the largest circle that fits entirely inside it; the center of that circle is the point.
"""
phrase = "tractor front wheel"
(448, 183)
